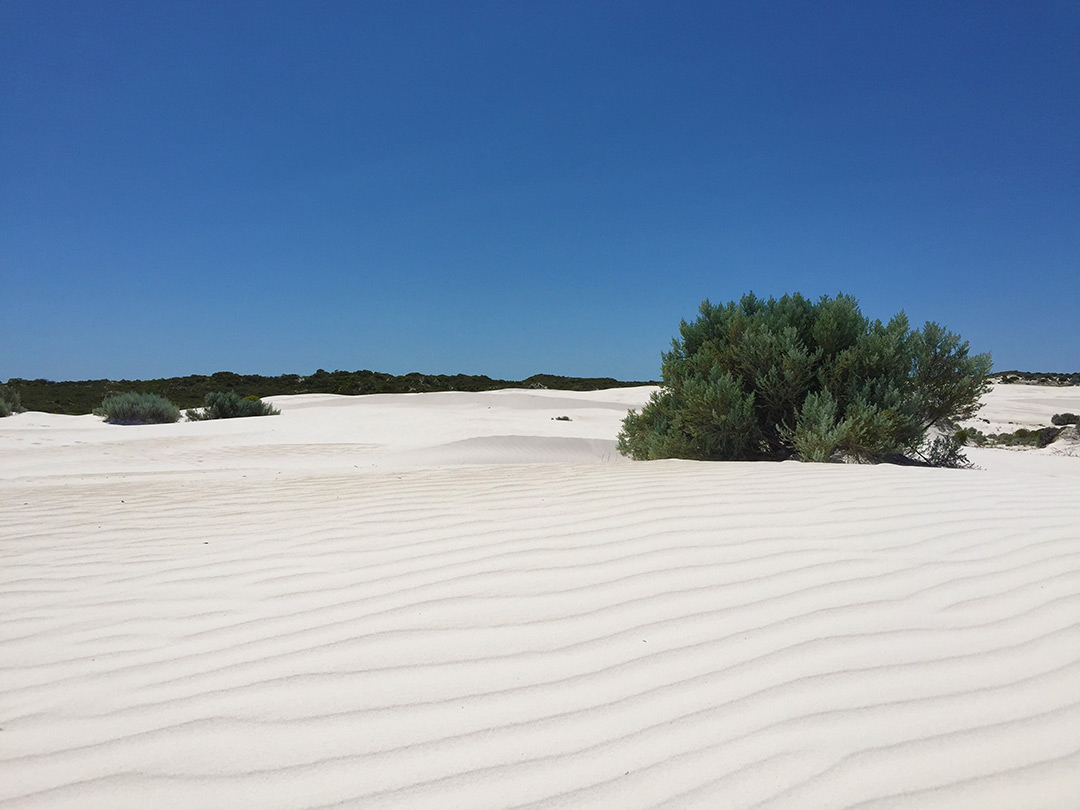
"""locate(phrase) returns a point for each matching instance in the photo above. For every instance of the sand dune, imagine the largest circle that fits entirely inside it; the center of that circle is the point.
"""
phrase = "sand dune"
(1009, 407)
(453, 600)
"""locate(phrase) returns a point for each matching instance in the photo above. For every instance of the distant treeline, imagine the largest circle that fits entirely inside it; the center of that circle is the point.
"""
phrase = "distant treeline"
(82, 396)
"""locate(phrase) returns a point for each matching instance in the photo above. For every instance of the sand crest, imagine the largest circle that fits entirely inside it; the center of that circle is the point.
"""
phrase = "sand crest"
(455, 600)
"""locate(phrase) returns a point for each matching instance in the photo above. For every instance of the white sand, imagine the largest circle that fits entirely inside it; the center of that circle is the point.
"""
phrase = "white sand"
(450, 600)
(1009, 407)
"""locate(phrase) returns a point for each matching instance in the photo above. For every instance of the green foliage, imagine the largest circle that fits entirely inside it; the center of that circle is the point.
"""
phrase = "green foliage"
(1024, 437)
(10, 402)
(1062, 419)
(230, 405)
(704, 418)
(817, 434)
(1021, 437)
(135, 408)
(758, 379)
(946, 451)
(971, 435)
(1047, 435)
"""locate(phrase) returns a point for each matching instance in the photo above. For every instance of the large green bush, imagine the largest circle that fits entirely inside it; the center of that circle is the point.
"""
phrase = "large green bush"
(229, 405)
(134, 408)
(777, 379)
(9, 401)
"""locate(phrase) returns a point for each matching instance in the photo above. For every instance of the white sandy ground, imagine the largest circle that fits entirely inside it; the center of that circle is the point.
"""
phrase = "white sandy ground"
(451, 600)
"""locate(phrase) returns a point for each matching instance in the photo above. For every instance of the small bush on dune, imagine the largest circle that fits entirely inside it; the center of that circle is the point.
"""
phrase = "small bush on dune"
(9, 401)
(1021, 437)
(947, 451)
(785, 378)
(972, 436)
(1062, 419)
(230, 405)
(1047, 436)
(137, 409)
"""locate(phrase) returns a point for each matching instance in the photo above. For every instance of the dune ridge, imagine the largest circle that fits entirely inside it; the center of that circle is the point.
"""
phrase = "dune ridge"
(439, 615)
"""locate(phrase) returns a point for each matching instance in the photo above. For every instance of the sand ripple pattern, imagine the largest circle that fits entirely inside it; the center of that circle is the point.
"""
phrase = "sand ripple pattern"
(669, 634)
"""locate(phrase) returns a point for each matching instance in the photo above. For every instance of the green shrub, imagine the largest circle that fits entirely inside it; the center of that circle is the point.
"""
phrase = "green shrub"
(1047, 435)
(1018, 438)
(230, 405)
(1062, 419)
(1022, 437)
(971, 435)
(9, 401)
(776, 379)
(133, 408)
(946, 451)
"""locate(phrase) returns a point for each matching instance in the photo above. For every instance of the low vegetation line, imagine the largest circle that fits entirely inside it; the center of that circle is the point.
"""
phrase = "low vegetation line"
(84, 396)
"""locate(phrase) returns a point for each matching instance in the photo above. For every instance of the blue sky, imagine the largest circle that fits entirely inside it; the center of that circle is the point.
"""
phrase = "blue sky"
(507, 188)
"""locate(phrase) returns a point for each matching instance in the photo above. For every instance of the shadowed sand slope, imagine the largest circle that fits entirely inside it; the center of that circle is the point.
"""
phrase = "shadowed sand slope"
(448, 626)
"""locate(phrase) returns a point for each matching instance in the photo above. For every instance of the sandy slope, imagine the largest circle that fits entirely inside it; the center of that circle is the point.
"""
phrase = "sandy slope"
(450, 600)
(1008, 407)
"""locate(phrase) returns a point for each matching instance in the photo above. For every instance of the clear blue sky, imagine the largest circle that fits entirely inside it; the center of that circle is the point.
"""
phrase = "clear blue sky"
(507, 188)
